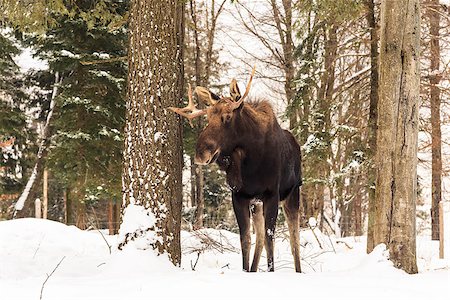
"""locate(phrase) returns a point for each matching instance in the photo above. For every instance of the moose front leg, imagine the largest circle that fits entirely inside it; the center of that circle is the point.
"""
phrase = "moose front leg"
(270, 219)
(242, 212)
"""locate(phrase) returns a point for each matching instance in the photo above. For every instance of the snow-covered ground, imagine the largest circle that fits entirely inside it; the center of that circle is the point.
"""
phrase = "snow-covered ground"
(32, 248)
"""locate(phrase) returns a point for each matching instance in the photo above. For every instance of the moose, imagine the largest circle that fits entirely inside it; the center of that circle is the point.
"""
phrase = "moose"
(262, 164)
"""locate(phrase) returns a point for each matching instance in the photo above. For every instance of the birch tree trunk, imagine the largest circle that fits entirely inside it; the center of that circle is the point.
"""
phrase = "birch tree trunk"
(396, 157)
(435, 97)
(153, 151)
(36, 174)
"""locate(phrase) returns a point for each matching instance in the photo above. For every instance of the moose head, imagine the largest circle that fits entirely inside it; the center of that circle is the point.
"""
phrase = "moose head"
(220, 134)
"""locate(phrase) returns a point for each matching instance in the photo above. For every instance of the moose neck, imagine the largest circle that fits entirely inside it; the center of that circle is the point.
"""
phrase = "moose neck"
(253, 126)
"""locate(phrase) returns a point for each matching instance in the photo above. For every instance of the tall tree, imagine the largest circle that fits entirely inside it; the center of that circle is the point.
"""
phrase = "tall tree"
(435, 99)
(152, 155)
(396, 157)
(372, 128)
(14, 132)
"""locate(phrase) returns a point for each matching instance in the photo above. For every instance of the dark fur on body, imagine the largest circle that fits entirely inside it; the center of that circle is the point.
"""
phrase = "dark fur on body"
(262, 162)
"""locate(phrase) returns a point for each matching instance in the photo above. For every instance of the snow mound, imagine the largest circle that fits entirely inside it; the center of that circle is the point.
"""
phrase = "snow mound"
(141, 221)
(211, 267)
(29, 247)
(377, 260)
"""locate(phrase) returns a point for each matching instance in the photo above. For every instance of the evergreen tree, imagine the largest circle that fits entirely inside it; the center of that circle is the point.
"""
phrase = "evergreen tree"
(85, 152)
(13, 120)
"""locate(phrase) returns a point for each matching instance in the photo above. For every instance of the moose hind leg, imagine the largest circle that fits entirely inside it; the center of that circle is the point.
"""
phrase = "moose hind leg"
(270, 219)
(290, 208)
(242, 212)
(258, 222)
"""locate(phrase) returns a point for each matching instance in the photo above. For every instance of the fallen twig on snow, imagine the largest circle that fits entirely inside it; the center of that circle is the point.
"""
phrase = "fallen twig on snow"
(49, 275)
(345, 243)
(196, 261)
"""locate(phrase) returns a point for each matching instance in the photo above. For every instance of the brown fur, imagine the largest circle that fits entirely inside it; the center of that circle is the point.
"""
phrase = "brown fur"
(262, 162)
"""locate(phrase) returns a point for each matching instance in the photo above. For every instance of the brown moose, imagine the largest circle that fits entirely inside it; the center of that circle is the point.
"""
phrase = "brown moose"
(262, 165)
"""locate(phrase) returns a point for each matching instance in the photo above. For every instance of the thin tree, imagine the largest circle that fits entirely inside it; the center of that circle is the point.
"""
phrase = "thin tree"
(435, 99)
(396, 157)
(372, 128)
(152, 155)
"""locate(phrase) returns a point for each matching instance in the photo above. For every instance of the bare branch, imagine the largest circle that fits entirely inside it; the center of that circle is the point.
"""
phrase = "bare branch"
(49, 275)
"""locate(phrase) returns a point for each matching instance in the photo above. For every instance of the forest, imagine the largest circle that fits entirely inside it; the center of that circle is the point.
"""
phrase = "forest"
(108, 108)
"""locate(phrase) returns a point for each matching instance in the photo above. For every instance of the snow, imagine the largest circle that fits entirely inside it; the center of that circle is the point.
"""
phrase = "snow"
(137, 219)
(26, 61)
(312, 222)
(69, 54)
(31, 248)
(20, 203)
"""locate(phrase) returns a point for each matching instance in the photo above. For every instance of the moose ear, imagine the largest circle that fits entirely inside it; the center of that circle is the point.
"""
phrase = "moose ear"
(206, 96)
(234, 90)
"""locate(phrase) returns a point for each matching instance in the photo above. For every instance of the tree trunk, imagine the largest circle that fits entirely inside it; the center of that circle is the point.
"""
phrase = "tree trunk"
(68, 208)
(37, 208)
(372, 128)
(396, 157)
(435, 98)
(81, 217)
(325, 95)
(199, 196)
(111, 228)
(153, 150)
(116, 215)
(357, 207)
(45, 194)
(193, 192)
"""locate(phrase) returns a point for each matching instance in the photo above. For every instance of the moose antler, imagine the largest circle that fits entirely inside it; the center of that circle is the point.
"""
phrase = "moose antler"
(190, 111)
(247, 90)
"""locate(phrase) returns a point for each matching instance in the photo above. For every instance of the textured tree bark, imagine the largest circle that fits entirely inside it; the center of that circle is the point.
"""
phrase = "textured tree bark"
(435, 97)
(396, 157)
(153, 149)
(372, 128)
